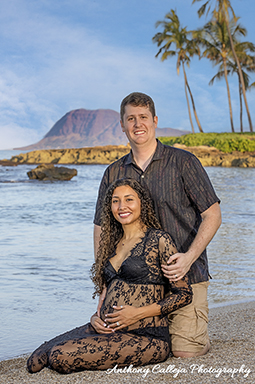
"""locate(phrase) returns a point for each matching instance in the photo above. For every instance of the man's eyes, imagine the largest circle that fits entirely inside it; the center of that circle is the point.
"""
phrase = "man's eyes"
(141, 117)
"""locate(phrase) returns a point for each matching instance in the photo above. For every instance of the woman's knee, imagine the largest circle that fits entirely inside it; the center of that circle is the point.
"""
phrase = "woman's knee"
(57, 360)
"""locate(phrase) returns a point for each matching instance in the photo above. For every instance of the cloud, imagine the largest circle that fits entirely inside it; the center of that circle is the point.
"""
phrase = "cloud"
(58, 67)
(14, 136)
(53, 62)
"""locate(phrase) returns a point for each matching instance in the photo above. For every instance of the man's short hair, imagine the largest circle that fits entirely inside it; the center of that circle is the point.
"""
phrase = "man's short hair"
(137, 99)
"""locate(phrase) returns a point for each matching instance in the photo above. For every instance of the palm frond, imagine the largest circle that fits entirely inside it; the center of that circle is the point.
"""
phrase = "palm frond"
(218, 76)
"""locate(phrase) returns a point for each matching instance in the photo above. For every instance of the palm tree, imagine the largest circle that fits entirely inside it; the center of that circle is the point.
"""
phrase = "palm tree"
(247, 63)
(223, 7)
(173, 33)
(214, 37)
(232, 68)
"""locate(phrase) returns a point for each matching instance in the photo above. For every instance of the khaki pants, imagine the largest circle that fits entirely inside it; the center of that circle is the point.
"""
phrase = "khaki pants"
(188, 325)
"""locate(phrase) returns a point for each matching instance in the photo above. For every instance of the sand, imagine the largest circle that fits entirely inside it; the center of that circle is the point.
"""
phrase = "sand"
(231, 358)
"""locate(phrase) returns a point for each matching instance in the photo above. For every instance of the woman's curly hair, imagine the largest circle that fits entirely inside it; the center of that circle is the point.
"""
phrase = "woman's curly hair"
(111, 229)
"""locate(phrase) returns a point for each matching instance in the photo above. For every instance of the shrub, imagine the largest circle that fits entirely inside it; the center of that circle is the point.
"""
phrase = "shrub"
(225, 142)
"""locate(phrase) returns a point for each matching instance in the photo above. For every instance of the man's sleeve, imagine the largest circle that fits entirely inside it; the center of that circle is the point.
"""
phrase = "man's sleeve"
(100, 198)
(198, 185)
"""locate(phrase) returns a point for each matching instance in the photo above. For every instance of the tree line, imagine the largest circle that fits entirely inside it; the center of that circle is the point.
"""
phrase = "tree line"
(219, 41)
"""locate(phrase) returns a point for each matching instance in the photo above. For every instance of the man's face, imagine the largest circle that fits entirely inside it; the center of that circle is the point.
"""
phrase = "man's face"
(139, 125)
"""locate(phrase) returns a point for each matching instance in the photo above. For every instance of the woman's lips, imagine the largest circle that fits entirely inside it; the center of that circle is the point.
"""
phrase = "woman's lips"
(124, 214)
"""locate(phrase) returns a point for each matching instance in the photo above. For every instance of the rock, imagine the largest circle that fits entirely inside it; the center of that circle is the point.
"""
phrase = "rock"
(209, 156)
(212, 157)
(50, 172)
(7, 163)
(90, 155)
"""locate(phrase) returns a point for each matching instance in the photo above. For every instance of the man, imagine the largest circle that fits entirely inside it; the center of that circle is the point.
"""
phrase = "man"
(186, 206)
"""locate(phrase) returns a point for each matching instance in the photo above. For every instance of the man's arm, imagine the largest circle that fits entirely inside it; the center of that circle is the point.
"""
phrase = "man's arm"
(97, 232)
(181, 262)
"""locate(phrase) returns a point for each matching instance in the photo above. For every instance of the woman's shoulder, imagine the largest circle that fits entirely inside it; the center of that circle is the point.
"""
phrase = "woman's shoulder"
(159, 233)
(162, 240)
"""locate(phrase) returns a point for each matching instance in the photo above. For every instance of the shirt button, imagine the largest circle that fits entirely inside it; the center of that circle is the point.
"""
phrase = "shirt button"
(142, 177)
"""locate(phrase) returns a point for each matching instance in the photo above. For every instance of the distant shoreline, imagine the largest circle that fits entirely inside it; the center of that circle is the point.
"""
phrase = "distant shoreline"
(209, 156)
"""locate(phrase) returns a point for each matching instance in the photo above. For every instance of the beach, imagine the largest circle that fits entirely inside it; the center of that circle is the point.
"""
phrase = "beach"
(230, 360)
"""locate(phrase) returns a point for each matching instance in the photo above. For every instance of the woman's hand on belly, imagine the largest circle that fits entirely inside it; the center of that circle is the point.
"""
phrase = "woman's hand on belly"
(123, 316)
(126, 315)
(99, 325)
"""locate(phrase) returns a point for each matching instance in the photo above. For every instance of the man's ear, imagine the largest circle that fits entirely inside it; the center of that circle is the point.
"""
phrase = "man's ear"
(155, 121)
(122, 126)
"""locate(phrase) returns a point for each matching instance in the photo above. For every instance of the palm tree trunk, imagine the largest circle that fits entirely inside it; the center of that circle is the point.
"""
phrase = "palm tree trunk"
(187, 98)
(194, 109)
(241, 78)
(229, 98)
(241, 104)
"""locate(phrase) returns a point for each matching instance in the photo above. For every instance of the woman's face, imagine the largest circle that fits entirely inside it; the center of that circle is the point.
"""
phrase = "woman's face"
(126, 205)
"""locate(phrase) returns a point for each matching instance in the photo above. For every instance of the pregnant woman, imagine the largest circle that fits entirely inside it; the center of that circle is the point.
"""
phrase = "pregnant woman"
(132, 327)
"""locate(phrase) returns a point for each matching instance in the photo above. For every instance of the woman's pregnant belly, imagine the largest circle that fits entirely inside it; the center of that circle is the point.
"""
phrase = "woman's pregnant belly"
(138, 295)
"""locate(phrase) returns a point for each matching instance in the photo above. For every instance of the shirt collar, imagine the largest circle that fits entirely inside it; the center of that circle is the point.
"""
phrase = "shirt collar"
(157, 155)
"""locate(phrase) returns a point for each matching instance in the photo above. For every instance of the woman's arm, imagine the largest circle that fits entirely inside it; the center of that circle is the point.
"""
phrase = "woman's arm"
(101, 300)
(180, 295)
(180, 291)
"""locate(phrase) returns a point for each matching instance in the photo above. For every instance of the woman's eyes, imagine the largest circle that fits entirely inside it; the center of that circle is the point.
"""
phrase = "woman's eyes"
(116, 201)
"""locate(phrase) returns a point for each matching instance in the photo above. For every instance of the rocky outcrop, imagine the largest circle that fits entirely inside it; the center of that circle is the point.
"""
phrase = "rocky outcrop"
(209, 156)
(212, 157)
(7, 163)
(93, 155)
(50, 172)
(86, 128)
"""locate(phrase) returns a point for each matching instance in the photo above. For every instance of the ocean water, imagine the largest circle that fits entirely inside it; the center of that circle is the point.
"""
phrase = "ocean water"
(47, 250)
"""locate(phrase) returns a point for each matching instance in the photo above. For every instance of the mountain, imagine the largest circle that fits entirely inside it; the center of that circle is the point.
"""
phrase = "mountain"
(88, 128)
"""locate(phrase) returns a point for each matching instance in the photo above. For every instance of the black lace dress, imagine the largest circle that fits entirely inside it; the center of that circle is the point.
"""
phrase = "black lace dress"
(138, 282)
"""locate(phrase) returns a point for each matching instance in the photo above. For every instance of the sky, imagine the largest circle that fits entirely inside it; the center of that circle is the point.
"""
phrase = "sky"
(60, 55)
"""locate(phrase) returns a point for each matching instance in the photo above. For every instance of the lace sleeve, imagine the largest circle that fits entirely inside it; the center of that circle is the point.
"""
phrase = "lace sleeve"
(180, 291)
